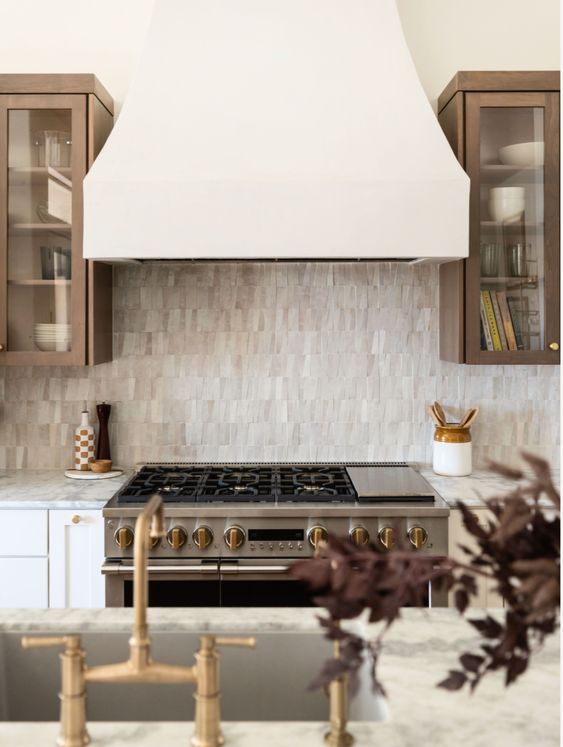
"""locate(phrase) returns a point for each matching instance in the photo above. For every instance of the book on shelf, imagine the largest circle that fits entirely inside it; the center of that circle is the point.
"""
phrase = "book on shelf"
(485, 327)
(483, 336)
(516, 318)
(490, 320)
(506, 320)
(499, 320)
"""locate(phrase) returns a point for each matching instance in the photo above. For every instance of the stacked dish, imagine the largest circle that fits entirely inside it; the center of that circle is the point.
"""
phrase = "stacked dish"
(52, 337)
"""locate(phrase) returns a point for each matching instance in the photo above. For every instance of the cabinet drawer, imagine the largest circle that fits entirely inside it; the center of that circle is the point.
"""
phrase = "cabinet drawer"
(23, 533)
(24, 582)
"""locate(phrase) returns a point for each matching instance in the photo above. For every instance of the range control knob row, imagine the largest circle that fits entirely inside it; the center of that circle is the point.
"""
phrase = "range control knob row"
(418, 537)
(177, 537)
(202, 537)
(234, 537)
(317, 535)
(359, 536)
(124, 537)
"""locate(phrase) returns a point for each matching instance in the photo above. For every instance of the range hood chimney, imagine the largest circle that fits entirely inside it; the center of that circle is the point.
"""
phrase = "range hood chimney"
(276, 129)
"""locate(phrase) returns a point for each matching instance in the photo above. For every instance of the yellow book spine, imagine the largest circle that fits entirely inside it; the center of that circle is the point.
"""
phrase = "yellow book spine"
(490, 313)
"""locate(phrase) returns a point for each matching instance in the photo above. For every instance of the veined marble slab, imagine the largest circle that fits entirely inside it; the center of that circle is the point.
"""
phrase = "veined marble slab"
(51, 489)
(174, 619)
(473, 489)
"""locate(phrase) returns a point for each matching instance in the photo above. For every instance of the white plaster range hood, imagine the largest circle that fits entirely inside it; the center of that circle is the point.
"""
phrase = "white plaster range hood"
(264, 129)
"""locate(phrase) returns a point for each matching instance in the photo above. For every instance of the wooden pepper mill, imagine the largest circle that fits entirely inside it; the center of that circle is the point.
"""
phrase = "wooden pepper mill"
(103, 411)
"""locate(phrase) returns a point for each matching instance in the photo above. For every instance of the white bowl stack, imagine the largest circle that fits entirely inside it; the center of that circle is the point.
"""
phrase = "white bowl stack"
(507, 203)
(52, 337)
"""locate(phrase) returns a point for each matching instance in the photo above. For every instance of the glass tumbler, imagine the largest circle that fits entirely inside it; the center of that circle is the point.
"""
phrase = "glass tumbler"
(489, 260)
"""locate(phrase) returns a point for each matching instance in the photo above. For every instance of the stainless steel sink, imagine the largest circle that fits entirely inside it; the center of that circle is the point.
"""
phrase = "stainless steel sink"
(268, 684)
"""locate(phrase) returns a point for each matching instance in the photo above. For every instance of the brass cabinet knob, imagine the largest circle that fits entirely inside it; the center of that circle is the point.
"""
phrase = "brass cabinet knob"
(76, 519)
(317, 535)
(1, 348)
(359, 536)
(386, 536)
(234, 537)
(202, 537)
(554, 346)
(124, 537)
(176, 537)
(418, 537)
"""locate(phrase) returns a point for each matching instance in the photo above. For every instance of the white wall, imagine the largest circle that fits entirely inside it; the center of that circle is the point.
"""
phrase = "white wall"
(449, 35)
(104, 37)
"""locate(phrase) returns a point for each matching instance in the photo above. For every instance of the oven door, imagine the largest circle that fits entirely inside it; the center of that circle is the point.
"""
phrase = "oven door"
(261, 583)
(171, 584)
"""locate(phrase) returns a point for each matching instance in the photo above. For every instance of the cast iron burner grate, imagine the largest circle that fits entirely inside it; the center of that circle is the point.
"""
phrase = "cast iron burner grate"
(241, 484)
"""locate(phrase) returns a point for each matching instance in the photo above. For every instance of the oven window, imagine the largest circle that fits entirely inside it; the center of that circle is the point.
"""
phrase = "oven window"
(177, 593)
(264, 594)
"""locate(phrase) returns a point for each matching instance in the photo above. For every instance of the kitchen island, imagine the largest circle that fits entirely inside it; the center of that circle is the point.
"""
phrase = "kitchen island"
(418, 652)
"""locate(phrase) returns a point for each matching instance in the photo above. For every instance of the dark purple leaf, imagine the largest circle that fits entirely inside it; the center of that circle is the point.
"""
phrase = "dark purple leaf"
(455, 681)
(471, 662)
(461, 600)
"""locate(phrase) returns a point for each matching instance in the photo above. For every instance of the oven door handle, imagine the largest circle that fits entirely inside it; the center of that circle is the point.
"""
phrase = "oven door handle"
(119, 569)
(242, 569)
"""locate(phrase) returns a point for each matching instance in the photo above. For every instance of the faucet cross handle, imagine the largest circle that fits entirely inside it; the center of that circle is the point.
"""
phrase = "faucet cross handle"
(245, 642)
(73, 732)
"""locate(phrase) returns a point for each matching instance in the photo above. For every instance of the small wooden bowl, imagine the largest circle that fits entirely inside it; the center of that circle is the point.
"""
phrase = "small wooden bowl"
(101, 465)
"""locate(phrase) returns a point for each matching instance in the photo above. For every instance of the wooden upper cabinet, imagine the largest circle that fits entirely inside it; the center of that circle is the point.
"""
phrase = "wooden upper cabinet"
(55, 307)
(501, 305)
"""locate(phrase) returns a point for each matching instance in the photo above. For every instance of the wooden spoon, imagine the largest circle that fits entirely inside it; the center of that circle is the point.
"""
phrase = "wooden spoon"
(434, 417)
(469, 417)
(439, 410)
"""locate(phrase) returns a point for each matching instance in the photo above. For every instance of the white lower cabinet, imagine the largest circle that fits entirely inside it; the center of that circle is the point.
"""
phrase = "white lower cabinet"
(24, 566)
(24, 582)
(76, 554)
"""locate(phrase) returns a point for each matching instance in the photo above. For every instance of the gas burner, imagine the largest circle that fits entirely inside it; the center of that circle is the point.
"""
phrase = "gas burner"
(238, 479)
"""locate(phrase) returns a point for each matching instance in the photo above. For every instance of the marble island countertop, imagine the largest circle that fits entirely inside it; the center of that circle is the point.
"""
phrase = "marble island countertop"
(418, 651)
(51, 489)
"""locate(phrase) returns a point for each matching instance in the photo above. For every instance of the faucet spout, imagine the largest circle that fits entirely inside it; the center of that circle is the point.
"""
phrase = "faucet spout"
(139, 642)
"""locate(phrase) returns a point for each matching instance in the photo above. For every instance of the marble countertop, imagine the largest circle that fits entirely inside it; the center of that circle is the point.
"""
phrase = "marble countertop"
(472, 489)
(418, 652)
(51, 489)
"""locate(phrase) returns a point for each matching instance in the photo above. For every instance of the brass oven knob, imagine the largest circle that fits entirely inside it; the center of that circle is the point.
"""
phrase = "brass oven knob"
(317, 535)
(124, 537)
(176, 537)
(359, 536)
(554, 346)
(202, 537)
(386, 536)
(154, 542)
(418, 537)
(234, 537)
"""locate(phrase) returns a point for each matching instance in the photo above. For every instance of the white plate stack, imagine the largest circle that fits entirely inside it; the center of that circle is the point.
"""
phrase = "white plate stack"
(52, 337)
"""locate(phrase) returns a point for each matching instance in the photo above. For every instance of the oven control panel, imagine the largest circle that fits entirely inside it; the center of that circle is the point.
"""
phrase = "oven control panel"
(284, 538)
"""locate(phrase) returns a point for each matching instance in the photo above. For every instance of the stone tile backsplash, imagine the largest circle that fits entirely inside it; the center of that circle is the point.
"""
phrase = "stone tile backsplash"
(260, 361)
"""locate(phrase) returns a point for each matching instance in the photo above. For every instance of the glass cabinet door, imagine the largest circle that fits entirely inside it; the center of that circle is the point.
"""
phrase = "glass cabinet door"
(513, 267)
(43, 159)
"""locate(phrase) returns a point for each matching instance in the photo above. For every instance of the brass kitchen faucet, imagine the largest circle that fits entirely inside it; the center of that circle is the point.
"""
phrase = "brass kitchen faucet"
(140, 667)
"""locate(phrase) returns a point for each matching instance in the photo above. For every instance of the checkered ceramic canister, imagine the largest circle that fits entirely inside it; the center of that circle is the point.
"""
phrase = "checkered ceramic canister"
(84, 443)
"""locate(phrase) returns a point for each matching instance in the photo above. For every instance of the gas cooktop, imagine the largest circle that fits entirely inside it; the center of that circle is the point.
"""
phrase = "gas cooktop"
(277, 484)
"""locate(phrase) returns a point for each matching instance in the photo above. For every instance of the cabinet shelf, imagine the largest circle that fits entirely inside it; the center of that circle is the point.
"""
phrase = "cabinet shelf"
(18, 229)
(511, 282)
(533, 229)
(39, 283)
(22, 176)
(495, 173)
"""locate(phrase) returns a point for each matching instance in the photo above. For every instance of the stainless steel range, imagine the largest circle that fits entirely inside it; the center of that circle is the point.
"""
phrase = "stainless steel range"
(233, 530)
